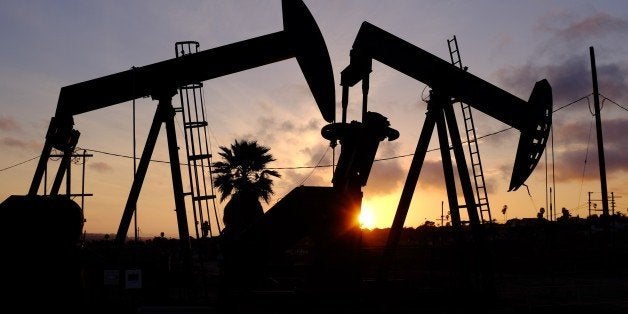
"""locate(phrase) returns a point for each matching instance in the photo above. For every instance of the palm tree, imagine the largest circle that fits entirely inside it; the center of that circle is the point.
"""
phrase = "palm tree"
(244, 176)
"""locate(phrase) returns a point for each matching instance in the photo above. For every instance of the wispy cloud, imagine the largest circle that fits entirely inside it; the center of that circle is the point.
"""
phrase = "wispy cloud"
(577, 154)
(28, 145)
(431, 176)
(8, 123)
(101, 167)
(503, 40)
(569, 73)
(570, 78)
(317, 155)
(598, 24)
(272, 128)
(387, 175)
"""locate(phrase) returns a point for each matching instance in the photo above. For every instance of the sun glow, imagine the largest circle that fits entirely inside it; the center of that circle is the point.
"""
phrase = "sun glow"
(366, 218)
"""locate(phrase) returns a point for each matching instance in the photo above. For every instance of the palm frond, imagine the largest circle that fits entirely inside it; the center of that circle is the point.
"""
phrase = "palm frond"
(244, 168)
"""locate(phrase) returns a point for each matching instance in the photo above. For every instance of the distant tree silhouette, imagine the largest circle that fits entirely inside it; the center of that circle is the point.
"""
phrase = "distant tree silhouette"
(541, 212)
(565, 214)
(244, 177)
(504, 209)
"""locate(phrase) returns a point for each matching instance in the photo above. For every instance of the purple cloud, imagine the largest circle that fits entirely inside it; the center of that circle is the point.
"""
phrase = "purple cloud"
(271, 128)
(570, 78)
(101, 167)
(310, 176)
(9, 124)
(570, 73)
(431, 176)
(12, 142)
(577, 146)
(386, 175)
(596, 25)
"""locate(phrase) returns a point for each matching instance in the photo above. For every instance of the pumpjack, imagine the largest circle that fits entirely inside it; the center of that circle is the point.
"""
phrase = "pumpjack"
(449, 84)
(301, 39)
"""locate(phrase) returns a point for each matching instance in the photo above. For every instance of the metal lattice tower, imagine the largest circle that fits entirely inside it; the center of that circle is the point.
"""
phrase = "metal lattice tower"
(472, 143)
(197, 148)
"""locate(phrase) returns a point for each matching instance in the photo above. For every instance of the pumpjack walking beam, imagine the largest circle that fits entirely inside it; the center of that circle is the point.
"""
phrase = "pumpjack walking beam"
(163, 114)
(532, 118)
(440, 115)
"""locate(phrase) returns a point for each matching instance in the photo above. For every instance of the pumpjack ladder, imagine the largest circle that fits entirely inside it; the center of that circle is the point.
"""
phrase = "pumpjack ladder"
(472, 143)
(192, 110)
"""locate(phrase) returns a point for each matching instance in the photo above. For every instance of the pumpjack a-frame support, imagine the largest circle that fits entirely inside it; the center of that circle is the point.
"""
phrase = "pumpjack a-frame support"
(440, 115)
(164, 114)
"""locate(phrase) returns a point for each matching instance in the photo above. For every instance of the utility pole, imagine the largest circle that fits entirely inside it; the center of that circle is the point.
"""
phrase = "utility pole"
(589, 204)
(613, 197)
(135, 227)
(612, 203)
(551, 208)
(442, 214)
(600, 142)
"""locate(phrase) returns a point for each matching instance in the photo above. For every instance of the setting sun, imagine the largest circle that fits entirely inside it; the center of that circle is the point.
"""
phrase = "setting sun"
(367, 218)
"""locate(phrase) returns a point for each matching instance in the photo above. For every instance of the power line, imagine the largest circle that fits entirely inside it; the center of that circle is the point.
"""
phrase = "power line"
(318, 163)
(299, 167)
(320, 166)
(586, 156)
(618, 105)
(486, 135)
(573, 102)
(127, 156)
(20, 163)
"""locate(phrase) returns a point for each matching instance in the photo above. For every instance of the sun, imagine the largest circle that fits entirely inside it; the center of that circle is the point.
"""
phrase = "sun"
(366, 218)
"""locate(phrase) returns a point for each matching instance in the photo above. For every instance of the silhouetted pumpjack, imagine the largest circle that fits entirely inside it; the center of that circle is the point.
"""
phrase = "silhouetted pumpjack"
(301, 39)
(449, 84)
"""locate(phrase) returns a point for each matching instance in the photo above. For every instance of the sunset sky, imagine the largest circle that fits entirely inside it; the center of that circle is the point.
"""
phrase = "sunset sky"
(511, 44)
